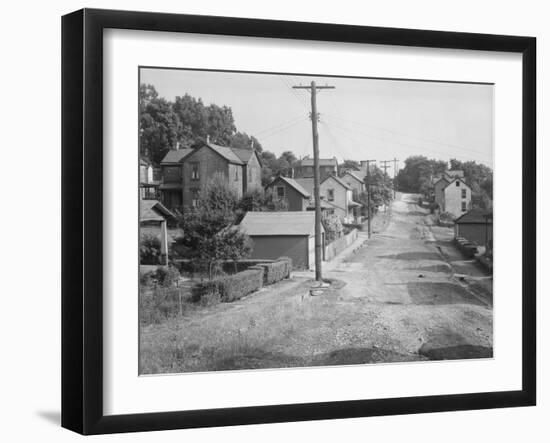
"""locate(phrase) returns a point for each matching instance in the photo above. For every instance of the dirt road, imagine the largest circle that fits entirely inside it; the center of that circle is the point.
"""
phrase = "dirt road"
(405, 295)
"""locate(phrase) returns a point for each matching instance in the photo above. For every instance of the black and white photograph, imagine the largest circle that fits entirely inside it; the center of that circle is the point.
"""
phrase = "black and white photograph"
(300, 220)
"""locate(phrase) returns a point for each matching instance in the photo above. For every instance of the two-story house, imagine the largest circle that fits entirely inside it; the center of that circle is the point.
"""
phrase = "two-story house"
(289, 190)
(355, 182)
(304, 167)
(186, 171)
(336, 197)
(453, 196)
(147, 185)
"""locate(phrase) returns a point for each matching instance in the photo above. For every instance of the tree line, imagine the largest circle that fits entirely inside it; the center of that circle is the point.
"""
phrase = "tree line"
(419, 171)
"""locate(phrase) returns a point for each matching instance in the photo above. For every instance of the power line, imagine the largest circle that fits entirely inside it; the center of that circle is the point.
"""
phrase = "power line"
(401, 134)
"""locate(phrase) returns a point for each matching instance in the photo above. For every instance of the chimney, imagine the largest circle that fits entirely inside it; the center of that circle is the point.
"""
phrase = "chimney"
(177, 146)
(252, 144)
(207, 138)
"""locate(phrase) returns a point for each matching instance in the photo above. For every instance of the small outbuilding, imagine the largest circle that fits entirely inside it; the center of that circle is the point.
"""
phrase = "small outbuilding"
(277, 234)
(153, 217)
(475, 226)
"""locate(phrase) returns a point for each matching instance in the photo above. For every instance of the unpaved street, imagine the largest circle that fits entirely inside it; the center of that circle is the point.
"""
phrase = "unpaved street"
(404, 295)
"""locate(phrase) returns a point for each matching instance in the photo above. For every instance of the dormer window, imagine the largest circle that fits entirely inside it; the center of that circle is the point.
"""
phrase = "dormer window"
(458, 182)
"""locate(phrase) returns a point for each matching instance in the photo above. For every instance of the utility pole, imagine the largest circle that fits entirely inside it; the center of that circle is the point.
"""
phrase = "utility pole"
(368, 162)
(395, 160)
(313, 88)
(385, 167)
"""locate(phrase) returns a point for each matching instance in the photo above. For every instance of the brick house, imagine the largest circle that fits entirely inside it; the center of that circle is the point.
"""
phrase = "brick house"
(187, 171)
(304, 167)
(289, 190)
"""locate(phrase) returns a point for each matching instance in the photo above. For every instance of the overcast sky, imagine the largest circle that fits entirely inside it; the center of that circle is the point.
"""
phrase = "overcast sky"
(360, 118)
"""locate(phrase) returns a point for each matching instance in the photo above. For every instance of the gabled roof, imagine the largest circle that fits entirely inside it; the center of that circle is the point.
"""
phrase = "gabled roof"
(293, 183)
(454, 180)
(306, 183)
(445, 179)
(143, 162)
(279, 223)
(475, 216)
(226, 153)
(352, 174)
(322, 162)
(153, 210)
(338, 180)
(176, 156)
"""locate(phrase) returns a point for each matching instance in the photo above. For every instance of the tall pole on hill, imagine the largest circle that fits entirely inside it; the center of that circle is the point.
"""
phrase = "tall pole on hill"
(313, 88)
(369, 229)
(395, 160)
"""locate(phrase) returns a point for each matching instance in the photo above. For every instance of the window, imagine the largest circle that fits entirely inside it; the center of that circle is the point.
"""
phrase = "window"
(280, 192)
(236, 174)
(194, 197)
(195, 171)
(250, 174)
(330, 195)
(464, 193)
(458, 182)
(463, 206)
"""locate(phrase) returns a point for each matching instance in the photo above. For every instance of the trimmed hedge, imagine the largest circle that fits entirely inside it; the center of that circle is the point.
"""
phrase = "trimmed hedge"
(230, 287)
(275, 271)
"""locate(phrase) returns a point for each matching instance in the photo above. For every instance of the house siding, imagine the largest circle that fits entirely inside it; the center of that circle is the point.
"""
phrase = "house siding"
(253, 175)
(341, 197)
(295, 200)
(453, 198)
(439, 193)
(210, 164)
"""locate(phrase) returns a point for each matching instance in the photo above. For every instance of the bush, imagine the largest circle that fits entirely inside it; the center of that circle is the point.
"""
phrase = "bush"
(242, 265)
(164, 303)
(149, 249)
(275, 271)
(146, 279)
(167, 276)
(333, 227)
(230, 287)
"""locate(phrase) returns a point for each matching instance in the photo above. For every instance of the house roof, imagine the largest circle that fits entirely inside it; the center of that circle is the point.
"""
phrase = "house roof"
(245, 154)
(352, 174)
(143, 162)
(299, 223)
(153, 210)
(322, 162)
(176, 156)
(454, 180)
(293, 183)
(338, 180)
(306, 183)
(437, 180)
(475, 216)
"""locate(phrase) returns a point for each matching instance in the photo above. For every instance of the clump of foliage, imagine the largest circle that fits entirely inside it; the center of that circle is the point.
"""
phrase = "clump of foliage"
(149, 249)
(333, 227)
(261, 201)
(209, 233)
(167, 276)
(230, 287)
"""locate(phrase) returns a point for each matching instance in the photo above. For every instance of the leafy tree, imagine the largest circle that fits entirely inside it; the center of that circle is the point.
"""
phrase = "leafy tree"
(208, 231)
(381, 188)
(348, 164)
(244, 141)
(333, 227)
(418, 172)
(259, 201)
(157, 125)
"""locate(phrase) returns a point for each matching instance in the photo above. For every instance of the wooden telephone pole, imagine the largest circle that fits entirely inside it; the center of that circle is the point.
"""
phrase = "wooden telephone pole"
(395, 160)
(313, 88)
(369, 229)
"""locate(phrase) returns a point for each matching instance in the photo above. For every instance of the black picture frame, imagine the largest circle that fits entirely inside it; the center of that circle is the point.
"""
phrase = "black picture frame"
(82, 218)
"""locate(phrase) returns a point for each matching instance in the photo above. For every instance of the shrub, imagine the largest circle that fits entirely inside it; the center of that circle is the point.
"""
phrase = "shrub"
(146, 279)
(164, 303)
(275, 271)
(167, 276)
(149, 249)
(242, 265)
(333, 227)
(230, 287)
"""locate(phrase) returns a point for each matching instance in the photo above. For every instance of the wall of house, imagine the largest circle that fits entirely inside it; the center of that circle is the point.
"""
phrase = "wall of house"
(439, 193)
(453, 198)
(356, 187)
(210, 164)
(474, 232)
(341, 197)
(253, 177)
(275, 246)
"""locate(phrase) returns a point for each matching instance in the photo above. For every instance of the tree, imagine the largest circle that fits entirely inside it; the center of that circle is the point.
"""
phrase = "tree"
(418, 172)
(209, 233)
(244, 141)
(348, 164)
(259, 201)
(157, 125)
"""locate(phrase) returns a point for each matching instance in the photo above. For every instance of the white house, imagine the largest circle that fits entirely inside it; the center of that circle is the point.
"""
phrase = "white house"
(456, 198)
